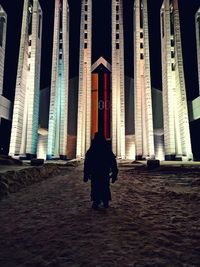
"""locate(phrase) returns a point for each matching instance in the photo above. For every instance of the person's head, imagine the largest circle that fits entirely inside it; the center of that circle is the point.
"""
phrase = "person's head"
(99, 139)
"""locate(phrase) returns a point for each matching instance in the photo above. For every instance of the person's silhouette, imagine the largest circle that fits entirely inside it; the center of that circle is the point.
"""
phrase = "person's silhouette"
(100, 165)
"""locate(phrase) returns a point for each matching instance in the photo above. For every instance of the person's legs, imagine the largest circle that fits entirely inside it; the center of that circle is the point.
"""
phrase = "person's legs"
(95, 204)
(95, 193)
(106, 204)
(106, 194)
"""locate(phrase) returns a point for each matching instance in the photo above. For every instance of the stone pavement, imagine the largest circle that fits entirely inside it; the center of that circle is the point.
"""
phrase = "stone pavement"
(153, 220)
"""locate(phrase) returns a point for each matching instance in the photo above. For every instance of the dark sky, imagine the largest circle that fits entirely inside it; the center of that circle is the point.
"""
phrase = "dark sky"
(101, 39)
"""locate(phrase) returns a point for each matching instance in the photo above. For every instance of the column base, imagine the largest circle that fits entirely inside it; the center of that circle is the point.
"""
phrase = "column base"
(31, 156)
(48, 157)
(63, 157)
(179, 158)
(139, 157)
(170, 157)
(28, 157)
(153, 164)
(37, 162)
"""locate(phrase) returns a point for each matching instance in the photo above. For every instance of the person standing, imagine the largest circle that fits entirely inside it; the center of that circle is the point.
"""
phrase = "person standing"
(100, 166)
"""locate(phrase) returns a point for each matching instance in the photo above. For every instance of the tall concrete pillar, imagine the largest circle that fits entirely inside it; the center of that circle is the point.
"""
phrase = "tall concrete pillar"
(144, 135)
(177, 139)
(24, 134)
(85, 80)
(58, 114)
(118, 86)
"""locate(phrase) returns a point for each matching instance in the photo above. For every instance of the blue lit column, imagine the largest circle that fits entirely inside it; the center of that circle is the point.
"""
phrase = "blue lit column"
(58, 114)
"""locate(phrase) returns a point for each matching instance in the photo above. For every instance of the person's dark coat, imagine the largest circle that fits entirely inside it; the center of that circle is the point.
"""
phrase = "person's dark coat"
(99, 166)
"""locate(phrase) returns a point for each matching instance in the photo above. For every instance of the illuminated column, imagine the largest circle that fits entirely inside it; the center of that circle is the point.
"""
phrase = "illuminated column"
(176, 122)
(144, 137)
(197, 22)
(24, 134)
(58, 114)
(84, 94)
(118, 109)
(3, 27)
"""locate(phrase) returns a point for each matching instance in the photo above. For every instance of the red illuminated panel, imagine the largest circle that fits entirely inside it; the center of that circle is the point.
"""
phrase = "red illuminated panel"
(95, 82)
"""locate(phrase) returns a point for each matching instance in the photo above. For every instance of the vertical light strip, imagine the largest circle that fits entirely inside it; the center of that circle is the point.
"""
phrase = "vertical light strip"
(105, 82)
(114, 79)
(95, 91)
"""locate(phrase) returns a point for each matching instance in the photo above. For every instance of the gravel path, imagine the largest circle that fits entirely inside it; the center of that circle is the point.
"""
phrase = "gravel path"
(153, 220)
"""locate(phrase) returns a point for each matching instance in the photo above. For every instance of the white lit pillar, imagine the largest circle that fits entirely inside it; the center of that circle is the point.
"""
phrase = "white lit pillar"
(118, 85)
(58, 114)
(24, 133)
(144, 135)
(84, 94)
(176, 123)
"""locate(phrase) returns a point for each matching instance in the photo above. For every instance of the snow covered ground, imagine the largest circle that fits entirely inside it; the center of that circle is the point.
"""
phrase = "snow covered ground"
(153, 220)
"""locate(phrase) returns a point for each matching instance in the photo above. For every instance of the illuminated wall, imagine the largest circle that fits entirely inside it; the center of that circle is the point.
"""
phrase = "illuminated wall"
(197, 22)
(58, 115)
(144, 135)
(129, 107)
(118, 108)
(3, 27)
(24, 134)
(176, 123)
(85, 87)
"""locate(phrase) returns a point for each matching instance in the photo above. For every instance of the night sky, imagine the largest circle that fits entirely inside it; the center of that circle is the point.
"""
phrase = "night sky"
(101, 39)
